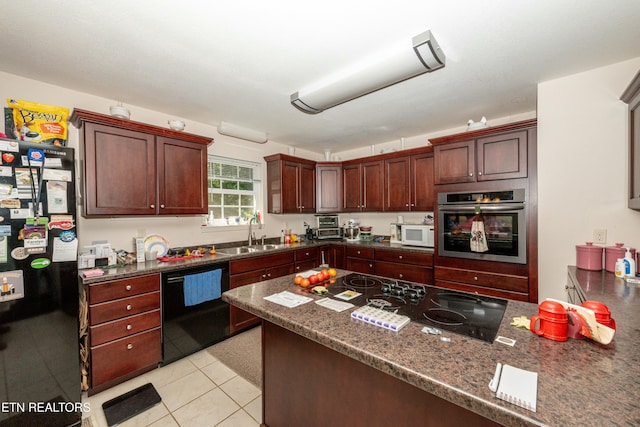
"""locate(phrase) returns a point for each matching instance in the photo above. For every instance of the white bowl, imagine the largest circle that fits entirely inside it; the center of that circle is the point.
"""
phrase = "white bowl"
(119, 111)
(176, 124)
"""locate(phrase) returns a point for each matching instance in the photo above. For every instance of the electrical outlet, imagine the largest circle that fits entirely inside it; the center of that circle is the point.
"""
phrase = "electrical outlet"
(600, 236)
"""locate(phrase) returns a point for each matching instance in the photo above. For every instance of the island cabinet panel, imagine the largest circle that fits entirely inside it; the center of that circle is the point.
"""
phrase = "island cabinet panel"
(404, 265)
(360, 259)
(124, 326)
(308, 384)
(132, 168)
(328, 187)
(291, 184)
(252, 270)
(334, 255)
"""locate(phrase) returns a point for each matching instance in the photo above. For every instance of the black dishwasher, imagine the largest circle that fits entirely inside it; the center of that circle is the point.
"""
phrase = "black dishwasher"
(188, 324)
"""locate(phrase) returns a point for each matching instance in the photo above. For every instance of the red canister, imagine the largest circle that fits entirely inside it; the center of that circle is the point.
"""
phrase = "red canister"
(603, 315)
(613, 253)
(589, 257)
(551, 321)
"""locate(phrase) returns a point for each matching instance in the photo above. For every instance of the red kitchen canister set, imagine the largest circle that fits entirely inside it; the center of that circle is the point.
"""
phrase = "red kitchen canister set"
(558, 322)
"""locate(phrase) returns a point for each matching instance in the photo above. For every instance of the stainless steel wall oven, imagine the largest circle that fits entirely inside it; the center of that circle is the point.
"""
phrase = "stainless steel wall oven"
(503, 216)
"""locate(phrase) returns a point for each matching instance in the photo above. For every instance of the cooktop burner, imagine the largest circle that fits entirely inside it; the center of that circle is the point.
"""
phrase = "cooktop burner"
(475, 316)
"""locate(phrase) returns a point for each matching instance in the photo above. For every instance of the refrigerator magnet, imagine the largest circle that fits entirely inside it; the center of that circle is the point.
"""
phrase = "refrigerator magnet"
(19, 253)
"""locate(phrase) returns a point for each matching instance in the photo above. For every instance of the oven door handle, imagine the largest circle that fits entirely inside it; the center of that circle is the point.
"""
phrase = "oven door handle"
(493, 208)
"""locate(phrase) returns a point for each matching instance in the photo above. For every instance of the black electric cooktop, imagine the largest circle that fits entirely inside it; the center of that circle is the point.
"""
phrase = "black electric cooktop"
(472, 315)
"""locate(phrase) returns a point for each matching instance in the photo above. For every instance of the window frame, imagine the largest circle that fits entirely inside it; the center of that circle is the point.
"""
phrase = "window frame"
(256, 180)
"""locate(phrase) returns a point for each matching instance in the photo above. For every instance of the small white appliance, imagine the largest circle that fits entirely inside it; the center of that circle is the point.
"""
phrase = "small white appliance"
(418, 235)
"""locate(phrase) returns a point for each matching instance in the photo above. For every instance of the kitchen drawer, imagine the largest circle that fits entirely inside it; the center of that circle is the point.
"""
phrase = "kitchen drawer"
(121, 328)
(106, 291)
(359, 252)
(421, 259)
(492, 292)
(259, 262)
(479, 278)
(121, 357)
(407, 272)
(306, 265)
(360, 265)
(306, 254)
(123, 307)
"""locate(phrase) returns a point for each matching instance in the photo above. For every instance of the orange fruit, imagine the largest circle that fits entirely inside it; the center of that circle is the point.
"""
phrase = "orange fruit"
(332, 272)
(305, 283)
(298, 279)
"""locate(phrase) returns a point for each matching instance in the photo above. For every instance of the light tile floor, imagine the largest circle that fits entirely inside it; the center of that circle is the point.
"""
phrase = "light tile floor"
(197, 391)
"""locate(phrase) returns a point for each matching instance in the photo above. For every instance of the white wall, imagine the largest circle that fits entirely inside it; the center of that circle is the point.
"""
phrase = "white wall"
(582, 168)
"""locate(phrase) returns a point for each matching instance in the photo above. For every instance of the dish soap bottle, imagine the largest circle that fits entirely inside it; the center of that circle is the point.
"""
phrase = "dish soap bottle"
(629, 264)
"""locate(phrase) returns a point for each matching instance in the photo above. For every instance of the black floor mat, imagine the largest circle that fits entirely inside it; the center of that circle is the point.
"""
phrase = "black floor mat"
(131, 403)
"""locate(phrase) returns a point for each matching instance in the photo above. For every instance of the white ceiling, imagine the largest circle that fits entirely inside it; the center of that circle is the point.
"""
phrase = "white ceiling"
(239, 61)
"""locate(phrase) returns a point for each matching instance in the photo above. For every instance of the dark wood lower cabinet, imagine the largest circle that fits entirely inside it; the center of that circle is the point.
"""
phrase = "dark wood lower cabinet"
(308, 384)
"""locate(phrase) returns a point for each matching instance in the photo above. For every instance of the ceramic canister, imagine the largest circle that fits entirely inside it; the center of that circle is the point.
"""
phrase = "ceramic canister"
(613, 253)
(589, 257)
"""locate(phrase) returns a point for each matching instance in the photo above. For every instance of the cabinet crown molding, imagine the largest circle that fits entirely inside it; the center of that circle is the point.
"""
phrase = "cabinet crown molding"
(78, 117)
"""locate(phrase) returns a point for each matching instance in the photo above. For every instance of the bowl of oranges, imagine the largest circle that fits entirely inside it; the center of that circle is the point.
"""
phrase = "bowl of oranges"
(312, 278)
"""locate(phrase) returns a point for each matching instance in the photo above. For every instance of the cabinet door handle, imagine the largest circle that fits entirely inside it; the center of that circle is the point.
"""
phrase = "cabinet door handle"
(400, 256)
(162, 206)
(269, 275)
(406, 204)
(129, 307)
(470, 173)
(479, 173)
(129, 346)
(400, 275)
(127, 288)
(129, 327)
(152, 206)
(264, 276)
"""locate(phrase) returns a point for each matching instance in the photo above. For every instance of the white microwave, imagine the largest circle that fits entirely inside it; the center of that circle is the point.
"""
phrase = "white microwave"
(418, 235)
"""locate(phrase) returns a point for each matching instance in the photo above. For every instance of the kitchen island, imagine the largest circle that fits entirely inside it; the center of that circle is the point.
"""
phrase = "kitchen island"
(323, 368)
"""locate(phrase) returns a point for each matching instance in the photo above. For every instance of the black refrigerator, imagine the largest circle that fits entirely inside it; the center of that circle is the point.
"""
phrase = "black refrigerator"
(40, 382)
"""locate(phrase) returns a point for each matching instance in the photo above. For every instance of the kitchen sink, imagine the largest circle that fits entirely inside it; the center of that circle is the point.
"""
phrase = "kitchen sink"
(266, 247)
(237, 251)
(247, 249)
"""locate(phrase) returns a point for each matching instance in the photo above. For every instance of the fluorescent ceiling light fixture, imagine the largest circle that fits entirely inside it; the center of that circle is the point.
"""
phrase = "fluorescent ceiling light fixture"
(394, 67)
(229, 129)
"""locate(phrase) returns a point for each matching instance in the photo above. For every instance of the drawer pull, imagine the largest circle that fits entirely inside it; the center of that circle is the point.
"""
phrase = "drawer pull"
(401, 276)
(475, 278)
(129, 307)
(129, 346)
(400, 256)
(129, 327)
(127, 288)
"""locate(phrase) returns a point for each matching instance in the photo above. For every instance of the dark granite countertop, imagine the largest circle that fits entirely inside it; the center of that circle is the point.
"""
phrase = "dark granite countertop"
(151, 267)
(580, 383)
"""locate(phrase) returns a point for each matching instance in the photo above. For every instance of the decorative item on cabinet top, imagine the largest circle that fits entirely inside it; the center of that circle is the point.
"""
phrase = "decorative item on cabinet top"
(79, 116)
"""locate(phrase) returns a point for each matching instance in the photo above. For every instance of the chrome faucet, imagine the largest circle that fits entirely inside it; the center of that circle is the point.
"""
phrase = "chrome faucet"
(250, 231)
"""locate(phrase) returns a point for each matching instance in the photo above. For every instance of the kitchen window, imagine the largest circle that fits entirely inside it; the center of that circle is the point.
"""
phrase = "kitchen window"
(234, 189)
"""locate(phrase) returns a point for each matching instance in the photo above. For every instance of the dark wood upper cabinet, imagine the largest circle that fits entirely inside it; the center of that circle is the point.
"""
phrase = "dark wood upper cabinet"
(490, 154)
(328, 187)
(131, 168)
(631, 96)
(363, 186)
(408, 182)
(291, 184)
